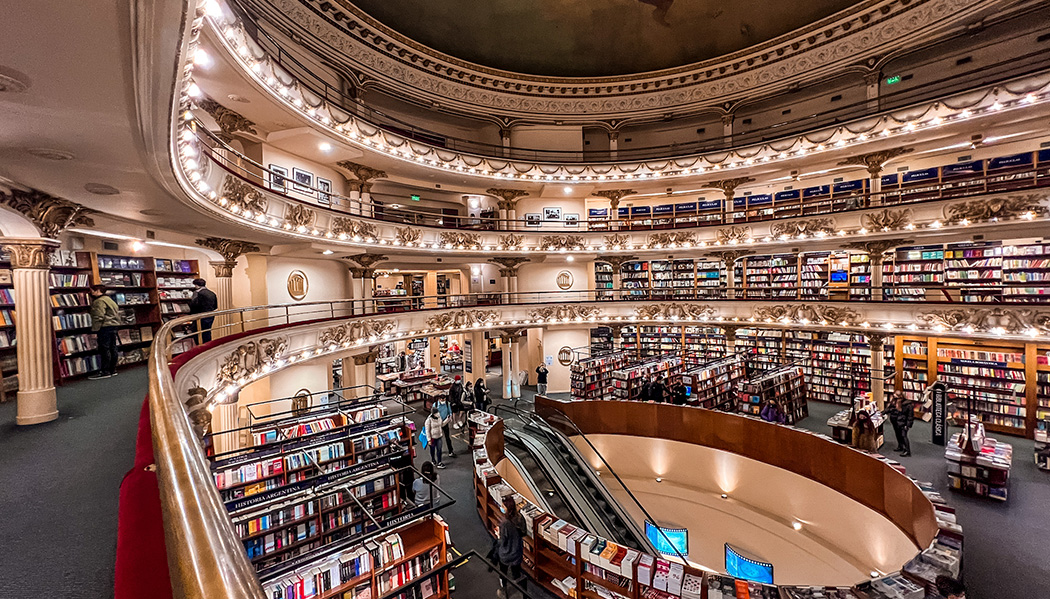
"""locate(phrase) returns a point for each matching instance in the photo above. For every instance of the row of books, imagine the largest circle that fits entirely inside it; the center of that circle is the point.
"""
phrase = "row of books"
(131, 299)
(7, 318)
(70, 300)
(123, 279)
(180, 266)
(58, 280)
(62, 322)
(7, 296)
(7, 339)
(122, 263)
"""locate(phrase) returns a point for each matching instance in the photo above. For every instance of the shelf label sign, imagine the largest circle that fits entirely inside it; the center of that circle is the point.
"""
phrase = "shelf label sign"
(468, 357)
(419, 344)
(940, 413)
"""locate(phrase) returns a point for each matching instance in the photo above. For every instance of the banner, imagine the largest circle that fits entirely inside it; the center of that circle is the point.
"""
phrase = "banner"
(940, 413)
(468, 357)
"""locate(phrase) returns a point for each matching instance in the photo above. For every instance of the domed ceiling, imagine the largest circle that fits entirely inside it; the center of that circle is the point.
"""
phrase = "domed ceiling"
(574, 38)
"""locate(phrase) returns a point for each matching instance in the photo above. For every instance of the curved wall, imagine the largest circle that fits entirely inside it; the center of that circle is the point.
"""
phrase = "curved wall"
(841, 541)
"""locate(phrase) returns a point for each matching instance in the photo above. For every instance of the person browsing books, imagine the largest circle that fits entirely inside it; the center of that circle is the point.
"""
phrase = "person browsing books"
(455, 399)
(902, 415)
(432, 427)
(401, 460)
(203, 301)
(423, 487)
(105, 318)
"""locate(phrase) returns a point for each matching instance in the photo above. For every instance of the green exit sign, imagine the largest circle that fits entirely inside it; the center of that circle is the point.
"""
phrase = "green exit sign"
(414, 197)
(893, 79)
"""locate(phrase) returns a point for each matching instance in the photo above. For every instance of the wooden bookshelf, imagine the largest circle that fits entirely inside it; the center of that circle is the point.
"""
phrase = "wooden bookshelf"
(786, 385)
(8, 337)
(174, 291)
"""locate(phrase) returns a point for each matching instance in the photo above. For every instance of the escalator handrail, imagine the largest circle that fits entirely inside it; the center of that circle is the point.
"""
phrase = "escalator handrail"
(532, 417)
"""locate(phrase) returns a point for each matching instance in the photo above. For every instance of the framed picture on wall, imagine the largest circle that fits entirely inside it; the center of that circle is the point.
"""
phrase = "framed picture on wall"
(552, 213)
(278, 178)
(533, 220)
(302, 181)
(571, 220)
(324, 191)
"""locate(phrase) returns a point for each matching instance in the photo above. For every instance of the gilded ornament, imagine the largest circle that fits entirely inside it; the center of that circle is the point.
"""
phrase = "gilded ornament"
(250, 357)
(887, 219)
(734, 235)
(348, 228)
(565, 312)
(510, 264)
(874, 161)
(355, 330)
(298, 285)
(1005, 207)
(405, 235)
(459, 238)
(614, 196)
(242, 196)
(672, 239)
(299, 216)
(231, 249)
(508, 198)
(559, 242)
(229, 121)
(808, 226)
(511, 241)
(617, 240)
(1010, 320)
(807, 312)
(50, 214)
(35, 254)
(674, 311)
(460, 319)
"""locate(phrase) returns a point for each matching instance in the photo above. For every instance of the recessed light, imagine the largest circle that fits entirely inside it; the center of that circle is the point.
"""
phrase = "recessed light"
(325, 146)
(570, 259)
(201, 58)
(659, 480)
(796, 525)
(328, 252)
(567, 189)
(724, 496)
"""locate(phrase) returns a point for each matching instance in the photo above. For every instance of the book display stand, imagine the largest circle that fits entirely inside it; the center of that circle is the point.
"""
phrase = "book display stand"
(978, 464)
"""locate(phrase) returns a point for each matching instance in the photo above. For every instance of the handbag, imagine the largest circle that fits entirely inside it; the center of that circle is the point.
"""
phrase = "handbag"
(423, 437)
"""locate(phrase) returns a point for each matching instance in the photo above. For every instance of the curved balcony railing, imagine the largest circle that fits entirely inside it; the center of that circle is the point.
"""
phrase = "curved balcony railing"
(977, 106)
(202, 146)
(205, 556)
(322, 87)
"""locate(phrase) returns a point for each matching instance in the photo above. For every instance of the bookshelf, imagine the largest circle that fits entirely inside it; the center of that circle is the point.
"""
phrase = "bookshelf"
(174, 291)
(815, 275)
(132, 282)
(978, 464)
(69, 281)
(836, 365)
(714, 385)
(601, 340)
(859, 277)
(764, 346)
(627, 381)
(1025, 268)
(976, 269)
(657, 340)
(786, 385)
(702, 344)
(591, 378)
(911, 271)
(603, 279)
(634, 277)
(8, 338)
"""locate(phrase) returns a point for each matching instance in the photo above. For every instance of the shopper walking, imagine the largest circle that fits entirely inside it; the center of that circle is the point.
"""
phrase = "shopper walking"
(481, 396)
(432, 427)
(445, 410)
(508, 549)
(902, 415)
(105, 318)
(455, 399)
(423, 487)
(541, 379)
(203, 301)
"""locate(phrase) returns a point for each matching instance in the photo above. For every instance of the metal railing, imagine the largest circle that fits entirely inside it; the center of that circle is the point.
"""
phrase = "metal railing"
(255, 15)
(267, 181)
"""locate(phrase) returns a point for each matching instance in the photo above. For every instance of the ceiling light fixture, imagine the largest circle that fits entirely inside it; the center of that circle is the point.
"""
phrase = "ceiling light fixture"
(324, 146)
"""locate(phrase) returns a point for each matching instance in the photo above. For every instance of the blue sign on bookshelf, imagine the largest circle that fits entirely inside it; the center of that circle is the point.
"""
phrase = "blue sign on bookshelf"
(963, 168)
(1044, 156)
(638, 210)
(1010, 161)
(709, 205)
(623, 211)
(685, 208)
(663, 209)
(597, 212)
(889, 179)
(846, 186)
(745, 568)
(760, 200)
(819, 190)
(668, 541)
(792, 194)
(923, 175)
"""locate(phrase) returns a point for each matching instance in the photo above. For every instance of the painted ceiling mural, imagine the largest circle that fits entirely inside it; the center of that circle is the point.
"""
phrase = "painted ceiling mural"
(580, 38)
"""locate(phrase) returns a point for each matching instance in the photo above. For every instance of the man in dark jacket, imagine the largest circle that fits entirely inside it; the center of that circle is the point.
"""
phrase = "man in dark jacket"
(508, 549)
(401, 460)
(901, 414)
(657, 390)
(202, 301)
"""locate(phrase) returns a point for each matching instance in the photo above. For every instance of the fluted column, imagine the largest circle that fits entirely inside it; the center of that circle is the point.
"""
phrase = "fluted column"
(508, 367)
(30, 263)
(361, 374)
(730, 332)
(353, 192)
(729, 259)
(515, 366)
(367, 287)
(507, 200)
(727, 127)
(224, 418)
(224, 296)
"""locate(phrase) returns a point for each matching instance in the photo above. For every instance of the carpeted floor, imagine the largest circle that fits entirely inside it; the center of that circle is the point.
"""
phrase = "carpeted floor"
(59, 505)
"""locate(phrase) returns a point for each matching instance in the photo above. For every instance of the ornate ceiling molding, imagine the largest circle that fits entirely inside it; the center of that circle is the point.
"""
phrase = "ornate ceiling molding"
(508, 198)
(565, 312)
(887, 219)
(1004, 207)
(614, 196)
(806, 313)
(806, 226)
(463, 319)
(51, 215)
(405, 68)
(674, 311)
(874, 161)
(372, 328)
(510, 264)
(728, 186)
(1008, 320)
(361, 173)
(230, 122)
(366, 261)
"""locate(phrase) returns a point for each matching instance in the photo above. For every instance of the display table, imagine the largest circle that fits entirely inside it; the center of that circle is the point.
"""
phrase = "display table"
(842, 431)
(386, 381)
(981, 465)
(409, 384)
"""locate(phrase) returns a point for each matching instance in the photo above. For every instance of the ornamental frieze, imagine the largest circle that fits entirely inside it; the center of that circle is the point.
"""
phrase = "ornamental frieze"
(673, 311)
(460, 239)
(672, 239)
(231, 249)
(349, 228)
(462, 319)
(1011, 206)
(887, 219)
(250, 357)
(1010, 320)
(299, 216)
(617, 240)
(565, 312)
(733, 235)
(406, 235)
(808, 312)
(560, 242)
(356, 330)
(808, 226)
(242, 196)
(511, 241)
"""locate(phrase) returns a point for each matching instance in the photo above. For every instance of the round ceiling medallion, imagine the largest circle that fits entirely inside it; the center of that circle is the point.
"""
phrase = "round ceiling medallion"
(50, 154)
(12, 81)
(101, 189)
(298, 285)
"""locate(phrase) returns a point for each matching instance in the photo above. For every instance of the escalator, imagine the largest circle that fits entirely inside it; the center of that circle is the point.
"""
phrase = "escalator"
(570, 487)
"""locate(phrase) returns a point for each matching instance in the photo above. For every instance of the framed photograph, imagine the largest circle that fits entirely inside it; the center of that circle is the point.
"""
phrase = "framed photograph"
(533, 220)
(302, 181)
(571, 220)
(552, 213)
(324, 191)
(278, 178)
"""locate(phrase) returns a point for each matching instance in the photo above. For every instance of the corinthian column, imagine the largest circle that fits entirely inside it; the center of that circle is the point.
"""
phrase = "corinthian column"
(231, 249)
(30, 262)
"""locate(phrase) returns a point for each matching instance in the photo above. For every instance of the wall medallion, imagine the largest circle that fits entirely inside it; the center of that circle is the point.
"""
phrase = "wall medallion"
(564, 280)
(298, 285)
(565, 356)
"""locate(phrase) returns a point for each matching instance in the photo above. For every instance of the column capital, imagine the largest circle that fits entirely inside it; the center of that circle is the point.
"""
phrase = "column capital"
(224, 268)
(730, 330)
(357, 273)
(367, 261)
(51, 215)
(728, 186)
(230, 122)
(873, 77)
(729, 257)
(365, 358)
(30, 253)
(875, 249)
(510, 265)
(874, 161)
(231, 249)
(507, 199)
(876, 340)
(614, 196)
(727, 119)
(616, 261)
(361, 174)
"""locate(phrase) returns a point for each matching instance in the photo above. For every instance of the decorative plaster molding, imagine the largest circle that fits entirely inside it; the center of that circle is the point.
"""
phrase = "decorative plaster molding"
(728, 186)
(617, 240)
(405, 235)
(559, 242)
(806, 226)
(222, 269)
(361, 173)
(250, 357)
(616, 261)
(1004, 207)
(29, 253)
(403, 67)
(366, 261)
(229, 121)
(348, 228)
(240, 196)
(511, 241)
(508, 198)
(887, 219)
(231, 249)
(734, 235)
(349, 332)
(614, 196)
(674, 311)
(729, 257)
(510, 264)
(458, 239)
(1008, 320)
(815, 312)
(51, 215)
(299, 216)
(672, 239)
(461, 319)
(565, 312)
(875, 249)
(874, 161)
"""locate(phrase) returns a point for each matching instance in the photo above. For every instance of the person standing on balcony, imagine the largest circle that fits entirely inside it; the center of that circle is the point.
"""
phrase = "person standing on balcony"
(541, 379)
(202, 302)
(105, 318)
